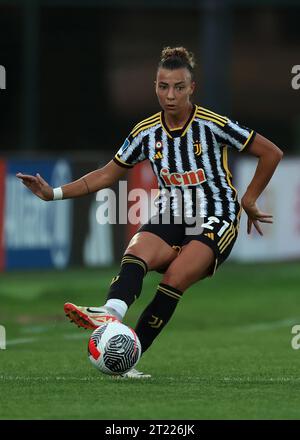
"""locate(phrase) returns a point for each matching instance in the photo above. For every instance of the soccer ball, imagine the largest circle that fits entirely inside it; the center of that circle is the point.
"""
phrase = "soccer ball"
(114, 348)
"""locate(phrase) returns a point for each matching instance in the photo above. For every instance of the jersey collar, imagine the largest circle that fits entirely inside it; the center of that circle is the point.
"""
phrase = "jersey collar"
(181, 131)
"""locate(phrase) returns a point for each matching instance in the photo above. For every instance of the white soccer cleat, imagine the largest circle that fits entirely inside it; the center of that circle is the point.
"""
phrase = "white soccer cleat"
(134, 374)
(89, 317)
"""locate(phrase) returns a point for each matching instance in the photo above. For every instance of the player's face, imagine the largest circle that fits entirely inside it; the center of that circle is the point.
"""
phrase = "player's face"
(174, 89)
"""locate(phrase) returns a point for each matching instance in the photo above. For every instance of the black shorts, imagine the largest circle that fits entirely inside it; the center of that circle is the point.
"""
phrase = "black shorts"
(219, 233)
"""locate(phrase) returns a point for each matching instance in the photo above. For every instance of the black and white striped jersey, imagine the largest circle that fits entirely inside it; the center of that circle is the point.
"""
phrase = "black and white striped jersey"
(190, 162)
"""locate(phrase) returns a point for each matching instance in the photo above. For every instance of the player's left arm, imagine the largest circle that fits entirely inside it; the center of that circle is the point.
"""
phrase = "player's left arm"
(269, 155)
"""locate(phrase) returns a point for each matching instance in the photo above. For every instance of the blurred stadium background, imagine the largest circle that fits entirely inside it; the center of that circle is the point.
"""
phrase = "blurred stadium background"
(78, 75)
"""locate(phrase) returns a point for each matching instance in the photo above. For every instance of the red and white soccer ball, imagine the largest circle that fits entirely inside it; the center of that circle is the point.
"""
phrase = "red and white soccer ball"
(114, 348)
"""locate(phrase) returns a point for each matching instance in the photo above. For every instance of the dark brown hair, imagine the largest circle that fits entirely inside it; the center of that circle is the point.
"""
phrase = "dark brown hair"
(177, 57)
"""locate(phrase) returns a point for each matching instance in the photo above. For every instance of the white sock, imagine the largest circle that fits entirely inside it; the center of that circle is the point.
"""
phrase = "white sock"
(118, 305)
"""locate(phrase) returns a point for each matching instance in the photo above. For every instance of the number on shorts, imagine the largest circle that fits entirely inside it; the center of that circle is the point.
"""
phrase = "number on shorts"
(210, 225)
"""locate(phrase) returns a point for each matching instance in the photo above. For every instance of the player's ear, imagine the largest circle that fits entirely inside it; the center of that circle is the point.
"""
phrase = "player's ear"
(193, 86)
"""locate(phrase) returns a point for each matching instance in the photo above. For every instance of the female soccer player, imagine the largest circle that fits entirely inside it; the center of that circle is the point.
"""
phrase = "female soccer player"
(187, 147)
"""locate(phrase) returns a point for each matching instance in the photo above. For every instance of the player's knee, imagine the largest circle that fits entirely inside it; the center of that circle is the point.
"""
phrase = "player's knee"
(174, 279)
(147, 255)
(138, 252)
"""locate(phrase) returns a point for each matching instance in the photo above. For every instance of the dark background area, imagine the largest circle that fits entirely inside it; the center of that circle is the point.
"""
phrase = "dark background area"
(80, 74)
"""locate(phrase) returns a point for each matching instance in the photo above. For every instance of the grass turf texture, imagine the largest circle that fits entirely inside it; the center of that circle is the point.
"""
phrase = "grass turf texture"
(226, 354)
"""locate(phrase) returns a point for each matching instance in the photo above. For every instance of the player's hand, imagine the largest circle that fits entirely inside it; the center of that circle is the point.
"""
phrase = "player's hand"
(255, 215)
(37, 185)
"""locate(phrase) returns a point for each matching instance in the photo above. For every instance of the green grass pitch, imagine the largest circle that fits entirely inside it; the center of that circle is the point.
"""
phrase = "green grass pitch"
(226, 354)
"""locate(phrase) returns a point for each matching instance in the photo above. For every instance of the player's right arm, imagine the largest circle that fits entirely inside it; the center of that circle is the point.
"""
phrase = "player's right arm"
(89, 183)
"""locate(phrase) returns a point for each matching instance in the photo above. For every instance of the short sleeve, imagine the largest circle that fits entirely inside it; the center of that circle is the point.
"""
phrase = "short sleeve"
(237, 136)
(131, 152)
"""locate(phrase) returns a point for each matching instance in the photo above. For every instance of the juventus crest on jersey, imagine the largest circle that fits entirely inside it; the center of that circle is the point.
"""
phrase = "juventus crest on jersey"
(190, 162)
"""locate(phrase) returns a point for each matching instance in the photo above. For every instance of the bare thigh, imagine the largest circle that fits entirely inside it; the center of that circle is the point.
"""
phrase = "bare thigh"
(152, 249)
(192, 264)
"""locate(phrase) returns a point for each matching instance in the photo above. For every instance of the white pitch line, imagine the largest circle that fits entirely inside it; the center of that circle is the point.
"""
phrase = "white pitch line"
(264, 326)
(191, 379)
(67, 336)
(261, 326)
(48, 378)
(20, 341)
